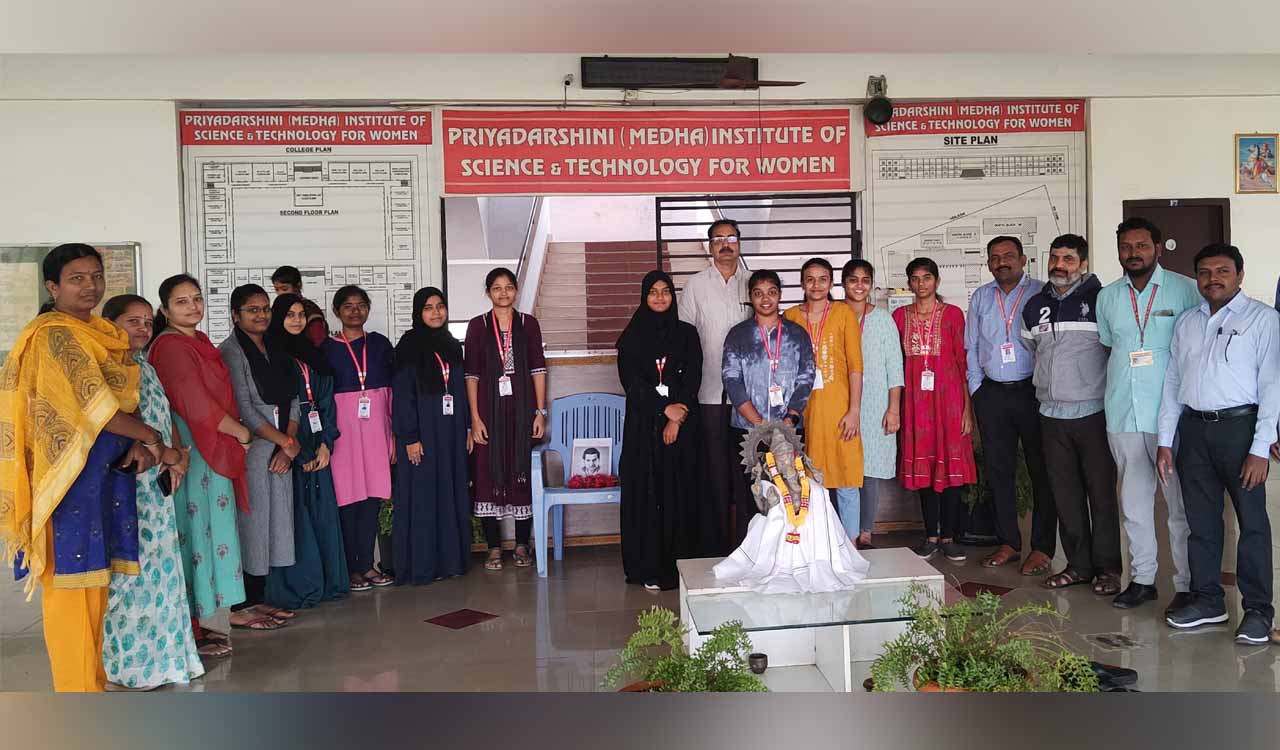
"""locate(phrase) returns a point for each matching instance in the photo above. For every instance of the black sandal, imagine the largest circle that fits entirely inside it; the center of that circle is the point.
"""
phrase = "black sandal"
(1068, 577)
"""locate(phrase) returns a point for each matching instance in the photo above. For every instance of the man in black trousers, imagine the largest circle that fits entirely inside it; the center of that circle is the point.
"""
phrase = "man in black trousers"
(1222, 401)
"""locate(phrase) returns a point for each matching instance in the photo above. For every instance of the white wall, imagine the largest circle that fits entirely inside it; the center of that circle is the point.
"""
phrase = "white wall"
(93, 172)
(601, 218)
(1181, 148)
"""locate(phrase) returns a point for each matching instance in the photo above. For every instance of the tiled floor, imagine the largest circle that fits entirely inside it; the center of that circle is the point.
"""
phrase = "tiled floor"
(561, 634)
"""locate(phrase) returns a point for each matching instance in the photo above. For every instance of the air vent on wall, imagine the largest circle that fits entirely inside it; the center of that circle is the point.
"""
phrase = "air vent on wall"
(730, 72)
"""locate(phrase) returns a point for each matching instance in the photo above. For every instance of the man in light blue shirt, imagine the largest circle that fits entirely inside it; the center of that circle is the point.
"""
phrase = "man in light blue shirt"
(1135, 321)
(1004, 402)
(1222, 401)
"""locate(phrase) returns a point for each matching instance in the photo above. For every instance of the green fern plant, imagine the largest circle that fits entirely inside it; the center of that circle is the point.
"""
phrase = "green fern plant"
(655, 654)
(977, 646)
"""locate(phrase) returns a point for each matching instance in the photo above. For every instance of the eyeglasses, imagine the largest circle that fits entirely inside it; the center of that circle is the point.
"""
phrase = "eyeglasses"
(728, 239)
(255, 310)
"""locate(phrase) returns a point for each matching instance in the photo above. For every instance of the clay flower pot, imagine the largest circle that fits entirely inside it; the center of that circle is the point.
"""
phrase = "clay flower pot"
(644, 686)
(932, 687)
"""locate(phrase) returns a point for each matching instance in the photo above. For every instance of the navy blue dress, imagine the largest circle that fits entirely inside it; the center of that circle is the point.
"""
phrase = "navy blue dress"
(431, 521)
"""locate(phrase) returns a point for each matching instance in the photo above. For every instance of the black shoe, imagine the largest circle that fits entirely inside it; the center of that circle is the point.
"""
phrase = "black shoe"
(1136, 594)
(926, 550)
(1113, 675)
(1197, 613)
(953, 552)
(1254, 630)
(1180, 600)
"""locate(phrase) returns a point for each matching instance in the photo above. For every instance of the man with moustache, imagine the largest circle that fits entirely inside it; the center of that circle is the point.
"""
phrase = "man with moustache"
(1000, 366)
(1135, 321)
(713, 301)
(1060, 325)
(1221, 401)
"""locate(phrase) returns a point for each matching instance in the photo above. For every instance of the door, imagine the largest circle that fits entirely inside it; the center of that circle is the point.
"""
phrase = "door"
(1188, 225)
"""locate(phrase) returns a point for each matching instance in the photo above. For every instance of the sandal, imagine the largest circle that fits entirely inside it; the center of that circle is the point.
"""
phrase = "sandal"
(212, 649)
(1038, 563)
(360, 584)
(213, 636)
(258, 623)
(1002, 556)
(1068, 577)
(523, 559)
(1106, 584)
(275, 613)
(494, 561)
(379, 580)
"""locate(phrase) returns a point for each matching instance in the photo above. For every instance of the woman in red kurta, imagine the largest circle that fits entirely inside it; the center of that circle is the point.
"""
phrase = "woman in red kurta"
(935, 454)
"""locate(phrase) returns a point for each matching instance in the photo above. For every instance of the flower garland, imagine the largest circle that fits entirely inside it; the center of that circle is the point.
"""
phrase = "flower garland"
(795, 517)
(592, 482)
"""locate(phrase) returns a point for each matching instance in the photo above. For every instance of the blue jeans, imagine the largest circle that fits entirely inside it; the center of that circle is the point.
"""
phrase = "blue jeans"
(849, 508)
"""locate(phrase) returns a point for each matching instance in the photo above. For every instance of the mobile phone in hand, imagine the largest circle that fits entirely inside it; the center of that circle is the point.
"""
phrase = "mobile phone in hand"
(165, 483)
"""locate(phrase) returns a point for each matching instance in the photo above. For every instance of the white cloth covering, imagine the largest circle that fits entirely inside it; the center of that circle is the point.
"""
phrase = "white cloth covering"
(823, 560)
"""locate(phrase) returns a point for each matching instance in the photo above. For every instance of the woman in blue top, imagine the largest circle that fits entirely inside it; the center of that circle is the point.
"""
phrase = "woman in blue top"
(768, 373)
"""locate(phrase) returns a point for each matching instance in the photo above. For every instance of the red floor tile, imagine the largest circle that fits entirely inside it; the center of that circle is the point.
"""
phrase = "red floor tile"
(462, 618)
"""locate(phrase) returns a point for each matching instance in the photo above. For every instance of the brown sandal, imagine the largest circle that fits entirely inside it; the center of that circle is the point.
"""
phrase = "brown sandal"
(494, 562)
(1068, 577)
(523, 558)
(1002, 556)
(1106, 584)
(1038, 563)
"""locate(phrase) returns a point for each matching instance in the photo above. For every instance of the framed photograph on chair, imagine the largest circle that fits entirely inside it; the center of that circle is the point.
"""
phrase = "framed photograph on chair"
(591, 457)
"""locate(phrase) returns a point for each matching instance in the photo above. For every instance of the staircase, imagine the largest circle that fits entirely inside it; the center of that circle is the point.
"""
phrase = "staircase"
(588, 292)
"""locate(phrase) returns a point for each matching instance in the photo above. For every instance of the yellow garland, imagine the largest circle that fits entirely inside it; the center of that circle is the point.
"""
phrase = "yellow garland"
(796, 518)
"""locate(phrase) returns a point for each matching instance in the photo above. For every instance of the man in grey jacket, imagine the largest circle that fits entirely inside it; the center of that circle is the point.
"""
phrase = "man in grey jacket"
(1060, 325)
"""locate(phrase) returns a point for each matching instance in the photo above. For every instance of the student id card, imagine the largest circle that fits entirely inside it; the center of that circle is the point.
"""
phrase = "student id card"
(1007, 355)
(775, 396)
(1142, 358)
(365, 408)
(313, 419)
(446, 405)
(926, 380)
(817, 378)
(504, 386)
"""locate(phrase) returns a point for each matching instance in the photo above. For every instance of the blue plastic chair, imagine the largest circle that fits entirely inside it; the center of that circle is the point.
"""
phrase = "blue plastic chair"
(584, 415)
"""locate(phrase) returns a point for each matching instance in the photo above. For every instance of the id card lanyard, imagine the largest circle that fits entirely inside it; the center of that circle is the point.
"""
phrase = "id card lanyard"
(1007, 353)
(504, 381)
(446, 401)
(774, 355)
(1143, 357)
(926, 343)
(365, 410)
(816, 341)
(661, 364)
(313, 414)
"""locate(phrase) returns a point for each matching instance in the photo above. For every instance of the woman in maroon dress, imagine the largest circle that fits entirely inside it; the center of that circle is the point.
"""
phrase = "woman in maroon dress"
(507, 389)
(936, 452)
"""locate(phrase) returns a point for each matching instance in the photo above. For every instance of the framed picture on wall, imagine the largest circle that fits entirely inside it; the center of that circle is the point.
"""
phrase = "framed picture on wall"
(1255, 162)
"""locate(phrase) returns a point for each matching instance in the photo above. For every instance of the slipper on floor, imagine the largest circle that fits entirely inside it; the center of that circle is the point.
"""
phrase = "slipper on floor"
(212, 649)
(259, 623)
(362, 585)
(379, 580)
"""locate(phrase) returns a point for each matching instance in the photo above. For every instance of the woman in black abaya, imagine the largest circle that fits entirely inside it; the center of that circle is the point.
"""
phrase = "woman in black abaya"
(660, 366)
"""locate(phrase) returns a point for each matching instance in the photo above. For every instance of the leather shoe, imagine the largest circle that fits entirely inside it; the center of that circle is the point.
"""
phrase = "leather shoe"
(1180, 600)
(1114, 675)
(1136, 594)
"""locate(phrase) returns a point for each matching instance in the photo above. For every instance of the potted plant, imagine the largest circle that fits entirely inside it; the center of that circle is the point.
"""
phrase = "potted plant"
(656, 659)
(975, 645)
(385, 560)
(978, 526)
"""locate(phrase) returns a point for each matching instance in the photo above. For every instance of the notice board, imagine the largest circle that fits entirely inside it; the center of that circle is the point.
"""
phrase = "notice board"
(22, 280)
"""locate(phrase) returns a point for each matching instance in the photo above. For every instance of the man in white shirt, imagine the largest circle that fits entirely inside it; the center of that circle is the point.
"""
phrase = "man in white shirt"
(1222, 400)
(713, 301)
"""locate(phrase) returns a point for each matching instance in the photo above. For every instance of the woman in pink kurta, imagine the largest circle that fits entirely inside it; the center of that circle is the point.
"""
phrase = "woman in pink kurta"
(935, 454)
(361, 463)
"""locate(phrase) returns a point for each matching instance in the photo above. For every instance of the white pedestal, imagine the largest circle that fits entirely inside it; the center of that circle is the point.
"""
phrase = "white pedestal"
(830, 650)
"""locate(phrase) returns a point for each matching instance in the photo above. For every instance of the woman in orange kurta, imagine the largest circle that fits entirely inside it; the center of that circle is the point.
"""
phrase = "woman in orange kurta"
(831, 419)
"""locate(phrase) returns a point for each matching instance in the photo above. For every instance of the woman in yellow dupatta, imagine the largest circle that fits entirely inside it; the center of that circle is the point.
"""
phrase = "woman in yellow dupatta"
(67, 439)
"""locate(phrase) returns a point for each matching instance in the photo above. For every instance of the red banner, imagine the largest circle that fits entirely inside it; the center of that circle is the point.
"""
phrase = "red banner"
(947, 118)
(258, 127)
(546, 152)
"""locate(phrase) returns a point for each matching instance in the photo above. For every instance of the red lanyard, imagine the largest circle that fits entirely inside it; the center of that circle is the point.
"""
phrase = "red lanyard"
(1142, 324)
(497, 337)
(662, 364)
(925, 342)
(444, 370)
(773, 356)
(862, 319)
(816, 340)
(1008, 319)
(306, 379)
(362, 368)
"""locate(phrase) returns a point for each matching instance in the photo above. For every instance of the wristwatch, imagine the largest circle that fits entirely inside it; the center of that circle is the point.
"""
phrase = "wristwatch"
(540, 412)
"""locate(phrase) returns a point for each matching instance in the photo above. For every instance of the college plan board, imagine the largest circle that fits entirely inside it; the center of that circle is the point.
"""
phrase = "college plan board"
(943, 178)
(339, 194)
